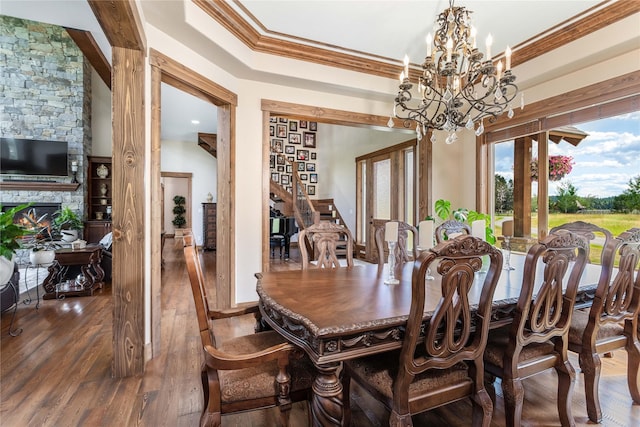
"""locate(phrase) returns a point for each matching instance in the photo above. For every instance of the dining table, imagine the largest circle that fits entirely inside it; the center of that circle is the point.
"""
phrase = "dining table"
(345, 313)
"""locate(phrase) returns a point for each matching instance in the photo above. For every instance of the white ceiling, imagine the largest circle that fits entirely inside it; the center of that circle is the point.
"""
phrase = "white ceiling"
(371, 28)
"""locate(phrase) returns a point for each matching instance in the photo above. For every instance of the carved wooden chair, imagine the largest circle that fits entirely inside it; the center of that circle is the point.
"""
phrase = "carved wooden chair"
(590, 231)
(612, 321)
(449, 227)
(326, 237)
(538, 337)
(403, 253)
(441, 361)
(244, 373)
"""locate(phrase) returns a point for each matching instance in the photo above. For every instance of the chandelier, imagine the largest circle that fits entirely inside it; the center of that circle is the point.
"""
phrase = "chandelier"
(458, 86)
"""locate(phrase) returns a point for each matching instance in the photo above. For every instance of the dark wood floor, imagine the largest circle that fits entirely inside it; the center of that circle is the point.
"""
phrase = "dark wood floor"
(58, 372)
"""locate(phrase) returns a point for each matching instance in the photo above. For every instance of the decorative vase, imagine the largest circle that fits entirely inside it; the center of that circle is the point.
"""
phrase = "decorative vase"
(102, 171)
(69, 235)
(103, 189)
(6, 269)
(42, 257)
(209, 197)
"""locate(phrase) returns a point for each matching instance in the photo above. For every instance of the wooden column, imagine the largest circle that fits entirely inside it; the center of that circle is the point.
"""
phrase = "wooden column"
(157, 221)
(128, 211)
(543, 184)
(424, 174)
(522, 187)
(225, 218)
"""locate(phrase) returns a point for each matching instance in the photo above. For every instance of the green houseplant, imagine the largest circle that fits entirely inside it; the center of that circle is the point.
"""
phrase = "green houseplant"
(66, 223)
(442, 209)
(11, 235)
(179, 210)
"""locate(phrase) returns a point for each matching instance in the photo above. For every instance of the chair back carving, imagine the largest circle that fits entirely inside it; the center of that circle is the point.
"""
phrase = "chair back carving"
(326, 237)
(588, 230)
(449, 227)
(562, 257)
(455, 332)
(403, 253)
(618, 299)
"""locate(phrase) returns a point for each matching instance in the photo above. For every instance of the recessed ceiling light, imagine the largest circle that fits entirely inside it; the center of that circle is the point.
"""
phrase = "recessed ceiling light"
(195, 122)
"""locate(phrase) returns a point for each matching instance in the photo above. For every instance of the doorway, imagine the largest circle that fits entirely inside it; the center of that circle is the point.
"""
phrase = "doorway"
(175, 184)
(166, 70)
(385, 182)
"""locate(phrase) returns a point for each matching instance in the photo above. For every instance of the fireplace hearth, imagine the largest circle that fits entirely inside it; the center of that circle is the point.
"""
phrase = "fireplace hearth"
(36, 217)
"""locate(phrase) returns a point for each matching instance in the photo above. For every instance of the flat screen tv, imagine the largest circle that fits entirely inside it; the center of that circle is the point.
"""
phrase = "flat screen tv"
(33, 157)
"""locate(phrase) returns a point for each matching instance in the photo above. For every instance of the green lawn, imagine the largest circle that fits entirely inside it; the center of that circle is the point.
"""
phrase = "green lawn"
(615, 223)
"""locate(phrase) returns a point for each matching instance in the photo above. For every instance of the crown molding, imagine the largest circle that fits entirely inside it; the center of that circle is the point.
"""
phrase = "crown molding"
(596, 18)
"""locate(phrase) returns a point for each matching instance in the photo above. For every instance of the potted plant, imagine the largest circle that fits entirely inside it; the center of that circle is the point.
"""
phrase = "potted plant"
(43, 246)
(443, 211)
(66, 223)
(10, 236)
(179, 210)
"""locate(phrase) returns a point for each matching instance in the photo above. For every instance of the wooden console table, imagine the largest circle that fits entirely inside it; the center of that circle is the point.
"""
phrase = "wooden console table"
(58, 285)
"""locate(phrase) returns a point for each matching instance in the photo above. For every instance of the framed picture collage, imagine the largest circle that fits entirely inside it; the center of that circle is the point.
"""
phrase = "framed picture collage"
(293, 142)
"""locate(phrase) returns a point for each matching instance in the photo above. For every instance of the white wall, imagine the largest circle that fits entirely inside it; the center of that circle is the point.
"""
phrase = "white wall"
(338, 147)
(179, 156)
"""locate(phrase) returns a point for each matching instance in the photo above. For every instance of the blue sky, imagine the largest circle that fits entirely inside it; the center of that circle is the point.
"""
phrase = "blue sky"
(604, 161)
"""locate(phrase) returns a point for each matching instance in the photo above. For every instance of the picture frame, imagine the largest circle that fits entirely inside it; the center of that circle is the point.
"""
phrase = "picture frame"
(313, 178)
(293, 126)
(281, 130)
(294, 138)
(272, 131)
(309, 140)
(272, 161)
(313, 126)
(284, 180)
(313, 155)
(280, 160)
(276, 145)
(289, 149)
(283, 120)
(304, 177)
(303, 124)
(311, 190)
(302, 155)
(275, 176)
(311, 167)
(273, 119)
(301, 167)
(288, 168)
(280, 169)
(291, 159)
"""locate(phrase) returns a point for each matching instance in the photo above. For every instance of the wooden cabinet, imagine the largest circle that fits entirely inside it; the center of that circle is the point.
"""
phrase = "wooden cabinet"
(209, 226)
(99, 198)
(94, 231)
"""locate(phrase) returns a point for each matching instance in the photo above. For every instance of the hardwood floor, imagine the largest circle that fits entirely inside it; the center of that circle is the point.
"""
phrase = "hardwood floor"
(58, 371)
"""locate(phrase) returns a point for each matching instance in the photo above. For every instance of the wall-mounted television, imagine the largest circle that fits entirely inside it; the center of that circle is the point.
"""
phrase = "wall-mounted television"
(33, 157)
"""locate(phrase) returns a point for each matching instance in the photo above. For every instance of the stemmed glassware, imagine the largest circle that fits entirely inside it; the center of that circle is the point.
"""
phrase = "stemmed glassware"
(391, 280)
(507, 244)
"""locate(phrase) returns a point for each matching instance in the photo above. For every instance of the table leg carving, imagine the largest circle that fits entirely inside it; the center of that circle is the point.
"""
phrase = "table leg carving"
(326, 404)
(50, 281)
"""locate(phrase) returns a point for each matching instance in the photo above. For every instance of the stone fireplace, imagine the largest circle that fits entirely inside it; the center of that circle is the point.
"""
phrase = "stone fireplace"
(36, 216)
(47, 96)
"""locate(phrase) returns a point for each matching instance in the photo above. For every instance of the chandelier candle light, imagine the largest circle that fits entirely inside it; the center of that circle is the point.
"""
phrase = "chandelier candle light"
(457, 87)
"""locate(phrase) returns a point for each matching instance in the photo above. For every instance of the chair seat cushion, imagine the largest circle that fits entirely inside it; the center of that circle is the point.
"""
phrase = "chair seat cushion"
(259, 382)
(380, 372)
(579, 321)
(497, 345)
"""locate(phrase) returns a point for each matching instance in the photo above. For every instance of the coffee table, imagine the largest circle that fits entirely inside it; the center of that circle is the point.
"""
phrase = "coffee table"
(57, 285)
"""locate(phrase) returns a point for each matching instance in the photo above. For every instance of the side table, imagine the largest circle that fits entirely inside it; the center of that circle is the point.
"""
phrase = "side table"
(57, 285)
